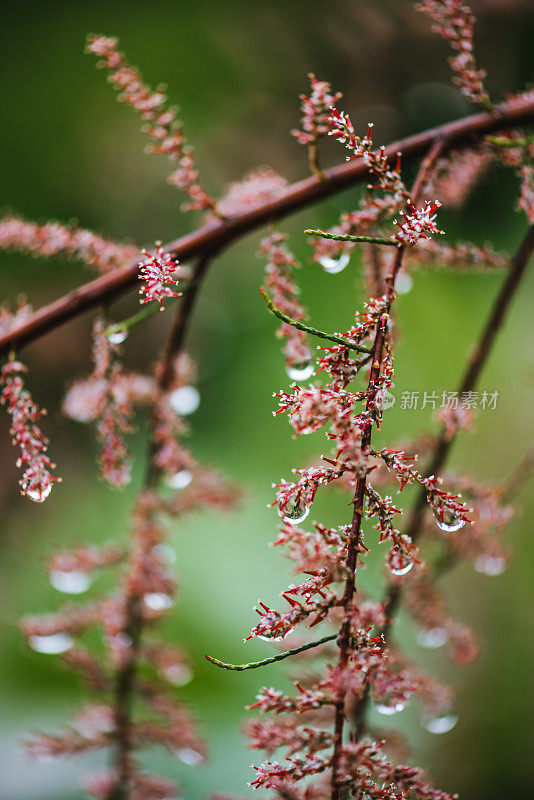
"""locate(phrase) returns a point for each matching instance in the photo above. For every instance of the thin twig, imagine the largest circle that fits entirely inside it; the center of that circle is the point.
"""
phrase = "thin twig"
(332, 337)
(220, 233)
(272, 659)
(348, 237)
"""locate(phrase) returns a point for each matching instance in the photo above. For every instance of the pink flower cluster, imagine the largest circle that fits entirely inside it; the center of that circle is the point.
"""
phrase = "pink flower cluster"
(162, 126)
(316, 109)
(156, 270)
(37, 479)
(54, 239)
(455, 22)
(279, 278)
(107, 397)
(417, 224)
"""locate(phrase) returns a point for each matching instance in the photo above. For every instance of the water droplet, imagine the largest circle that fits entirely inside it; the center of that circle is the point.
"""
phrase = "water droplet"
(118, 337)
(403, 283)
(51, 645)
(184, 400)
(178, 674)
(166, 553)
(71, 582)
(39, 494)
(306, 431)
(180, 479)
(490, 565)
(432, 638)
(402, 570)
(300, 372)
(276, 638)
(189, 756)
(158, 601)
(294, 512)
(389, 710)
(334, 265)
(443, 723)
(447, 521)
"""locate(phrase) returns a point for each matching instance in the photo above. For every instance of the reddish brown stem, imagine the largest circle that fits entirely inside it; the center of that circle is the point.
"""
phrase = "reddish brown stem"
(344, 639)
(220, 233)
(443, 446)
(126, 676)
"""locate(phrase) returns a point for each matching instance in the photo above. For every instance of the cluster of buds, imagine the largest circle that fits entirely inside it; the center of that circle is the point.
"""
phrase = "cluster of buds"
(162, 126)
(37, 479)
(279, 278)
(455, 22)
(262, 185)
(156, 270)
(54, 239)
(107, 397)
(316, 109)
(417, 224)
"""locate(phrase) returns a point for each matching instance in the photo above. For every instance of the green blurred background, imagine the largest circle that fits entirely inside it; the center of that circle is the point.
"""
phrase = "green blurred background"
(69, 151)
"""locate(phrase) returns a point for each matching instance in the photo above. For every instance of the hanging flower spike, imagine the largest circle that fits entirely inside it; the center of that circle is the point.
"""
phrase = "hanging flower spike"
(455, 22)
(37, 479)
(156, 270)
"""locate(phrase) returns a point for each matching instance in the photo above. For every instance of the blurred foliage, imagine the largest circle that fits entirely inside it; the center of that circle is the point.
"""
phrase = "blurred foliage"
(69, 151)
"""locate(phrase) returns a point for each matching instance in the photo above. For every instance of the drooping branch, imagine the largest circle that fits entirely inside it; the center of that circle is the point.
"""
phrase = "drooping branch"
(220, 233)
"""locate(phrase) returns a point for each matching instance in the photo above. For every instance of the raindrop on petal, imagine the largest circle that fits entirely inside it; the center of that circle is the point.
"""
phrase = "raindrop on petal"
(118, 337)
(432, 638)
(443, 723)
(70, 581)
(184, 400)
(300, 372)
(38, 495)
(180, 479)
(294, 512)
(490, 565)
(389, 710)
(334, 265)
(158, 601)
(402, 570)
(52, 644)
(275, 638)
(447, 521)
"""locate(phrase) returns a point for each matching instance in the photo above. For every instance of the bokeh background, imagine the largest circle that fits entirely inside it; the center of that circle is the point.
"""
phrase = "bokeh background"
(69, 151)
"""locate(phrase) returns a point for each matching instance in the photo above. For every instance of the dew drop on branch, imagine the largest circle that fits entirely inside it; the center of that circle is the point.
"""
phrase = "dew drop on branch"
(388, 710)
(184, 400)
(432, 638)
(51, 645)
(403, 283)
(334, 265)
(490, 565)
(118, 337)
(402, 570)
(70, 582)
(189, 756)
(158, 601)
(276, 638)
(301, 371)
(447, 521)
(443, 723)
(180, 479)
